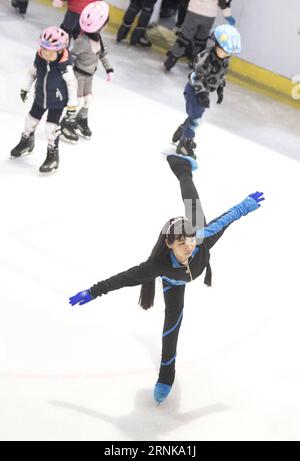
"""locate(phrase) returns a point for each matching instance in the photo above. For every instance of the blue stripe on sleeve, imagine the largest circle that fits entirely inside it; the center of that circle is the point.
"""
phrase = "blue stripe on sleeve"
(235, 213)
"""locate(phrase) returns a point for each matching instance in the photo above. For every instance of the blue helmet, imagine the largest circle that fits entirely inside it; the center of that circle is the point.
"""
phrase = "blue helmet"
(228, 38)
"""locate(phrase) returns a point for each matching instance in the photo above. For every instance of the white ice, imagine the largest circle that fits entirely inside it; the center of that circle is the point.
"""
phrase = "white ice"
(88, 373)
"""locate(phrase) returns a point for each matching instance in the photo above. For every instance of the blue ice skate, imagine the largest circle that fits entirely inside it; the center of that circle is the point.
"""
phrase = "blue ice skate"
(170, 151)
(161, 392)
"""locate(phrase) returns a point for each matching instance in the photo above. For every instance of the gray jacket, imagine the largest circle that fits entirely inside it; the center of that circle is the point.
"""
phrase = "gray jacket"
(209, 71)
(86, 54)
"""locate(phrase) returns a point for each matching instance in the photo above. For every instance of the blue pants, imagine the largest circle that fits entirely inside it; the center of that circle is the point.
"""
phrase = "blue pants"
(194, 111)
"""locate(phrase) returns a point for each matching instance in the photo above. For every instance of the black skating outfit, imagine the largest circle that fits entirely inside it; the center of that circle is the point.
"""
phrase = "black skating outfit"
(175, 275)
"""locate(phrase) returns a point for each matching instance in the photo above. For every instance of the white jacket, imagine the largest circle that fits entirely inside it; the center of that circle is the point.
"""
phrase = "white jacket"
(208, 8)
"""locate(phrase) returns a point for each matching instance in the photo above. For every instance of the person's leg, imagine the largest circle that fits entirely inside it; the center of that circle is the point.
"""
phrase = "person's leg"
(186, 132)
(202, 34)
(182, 11)
(52, 132)
(193, 208)
(139, 34)
(130, 15)
(71, 24)
(174, 302)
(168, 8)
(184, 41)
(67, 125)
(27, 141)
(82, 116)
(22, 5)
(194, 111)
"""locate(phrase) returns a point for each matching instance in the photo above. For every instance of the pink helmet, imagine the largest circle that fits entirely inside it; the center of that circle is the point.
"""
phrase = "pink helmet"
(54, 39)
(94, 17)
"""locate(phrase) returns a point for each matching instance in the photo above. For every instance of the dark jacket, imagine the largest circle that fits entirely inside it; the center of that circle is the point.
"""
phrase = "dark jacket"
(169, 268)
(51, 91)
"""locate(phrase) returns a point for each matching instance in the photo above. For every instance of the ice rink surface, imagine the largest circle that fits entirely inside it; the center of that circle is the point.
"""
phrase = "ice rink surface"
(89, 373)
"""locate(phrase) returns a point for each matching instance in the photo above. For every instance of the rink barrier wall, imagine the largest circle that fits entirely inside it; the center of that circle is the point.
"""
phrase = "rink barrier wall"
(241, 72)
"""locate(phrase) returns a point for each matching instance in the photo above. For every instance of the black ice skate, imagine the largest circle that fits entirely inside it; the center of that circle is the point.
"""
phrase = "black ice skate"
(25, 146)
(178, 133)
(170, 61)
(139, 37)
(68, 130)
(20, 6)
(82, 127)
(122, 32)
(186, 146)
(51, 163)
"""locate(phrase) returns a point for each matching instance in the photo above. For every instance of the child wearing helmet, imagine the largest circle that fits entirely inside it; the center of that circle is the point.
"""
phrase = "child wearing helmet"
(208, 75)
(86, 52)
(194, 33)
(143, 9)
(55, 88)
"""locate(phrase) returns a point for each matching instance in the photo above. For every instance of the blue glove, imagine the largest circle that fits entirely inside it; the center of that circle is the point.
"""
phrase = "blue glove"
(82, 298)
(231, 20)
(251, 203)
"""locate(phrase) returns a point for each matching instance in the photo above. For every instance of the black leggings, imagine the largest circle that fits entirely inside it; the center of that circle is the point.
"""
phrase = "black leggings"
(174, 294)
(174, 301)
(146, 8)
(54, 115)
(193, 208)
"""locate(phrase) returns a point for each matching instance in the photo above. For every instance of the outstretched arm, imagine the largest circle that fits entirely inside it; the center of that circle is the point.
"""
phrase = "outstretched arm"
(137, 275)
(215, 229)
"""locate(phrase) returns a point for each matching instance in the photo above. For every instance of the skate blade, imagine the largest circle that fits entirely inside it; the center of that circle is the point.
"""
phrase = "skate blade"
(48, 173)
(88, 138)
(69, 141)
(26, 154)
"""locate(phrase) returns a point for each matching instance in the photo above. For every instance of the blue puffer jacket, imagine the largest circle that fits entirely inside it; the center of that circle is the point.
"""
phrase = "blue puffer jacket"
(51, 90)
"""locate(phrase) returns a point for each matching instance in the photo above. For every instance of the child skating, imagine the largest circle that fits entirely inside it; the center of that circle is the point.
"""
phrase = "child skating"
(87, 50)
(180, 255)
(208, 75)
(55, 88)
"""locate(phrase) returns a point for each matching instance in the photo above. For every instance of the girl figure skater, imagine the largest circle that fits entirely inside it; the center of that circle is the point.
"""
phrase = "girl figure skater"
(180, 255)
(55, 88)
(86, 52)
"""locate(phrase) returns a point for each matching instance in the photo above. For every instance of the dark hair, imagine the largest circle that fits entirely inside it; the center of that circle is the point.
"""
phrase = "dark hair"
(175, 229)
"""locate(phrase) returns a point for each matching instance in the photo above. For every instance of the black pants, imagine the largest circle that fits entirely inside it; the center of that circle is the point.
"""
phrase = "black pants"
(174, 301)
(193, 208)
(53, 116)
(71, 24)
(174, 295)
(144, 7)
(21, 4)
